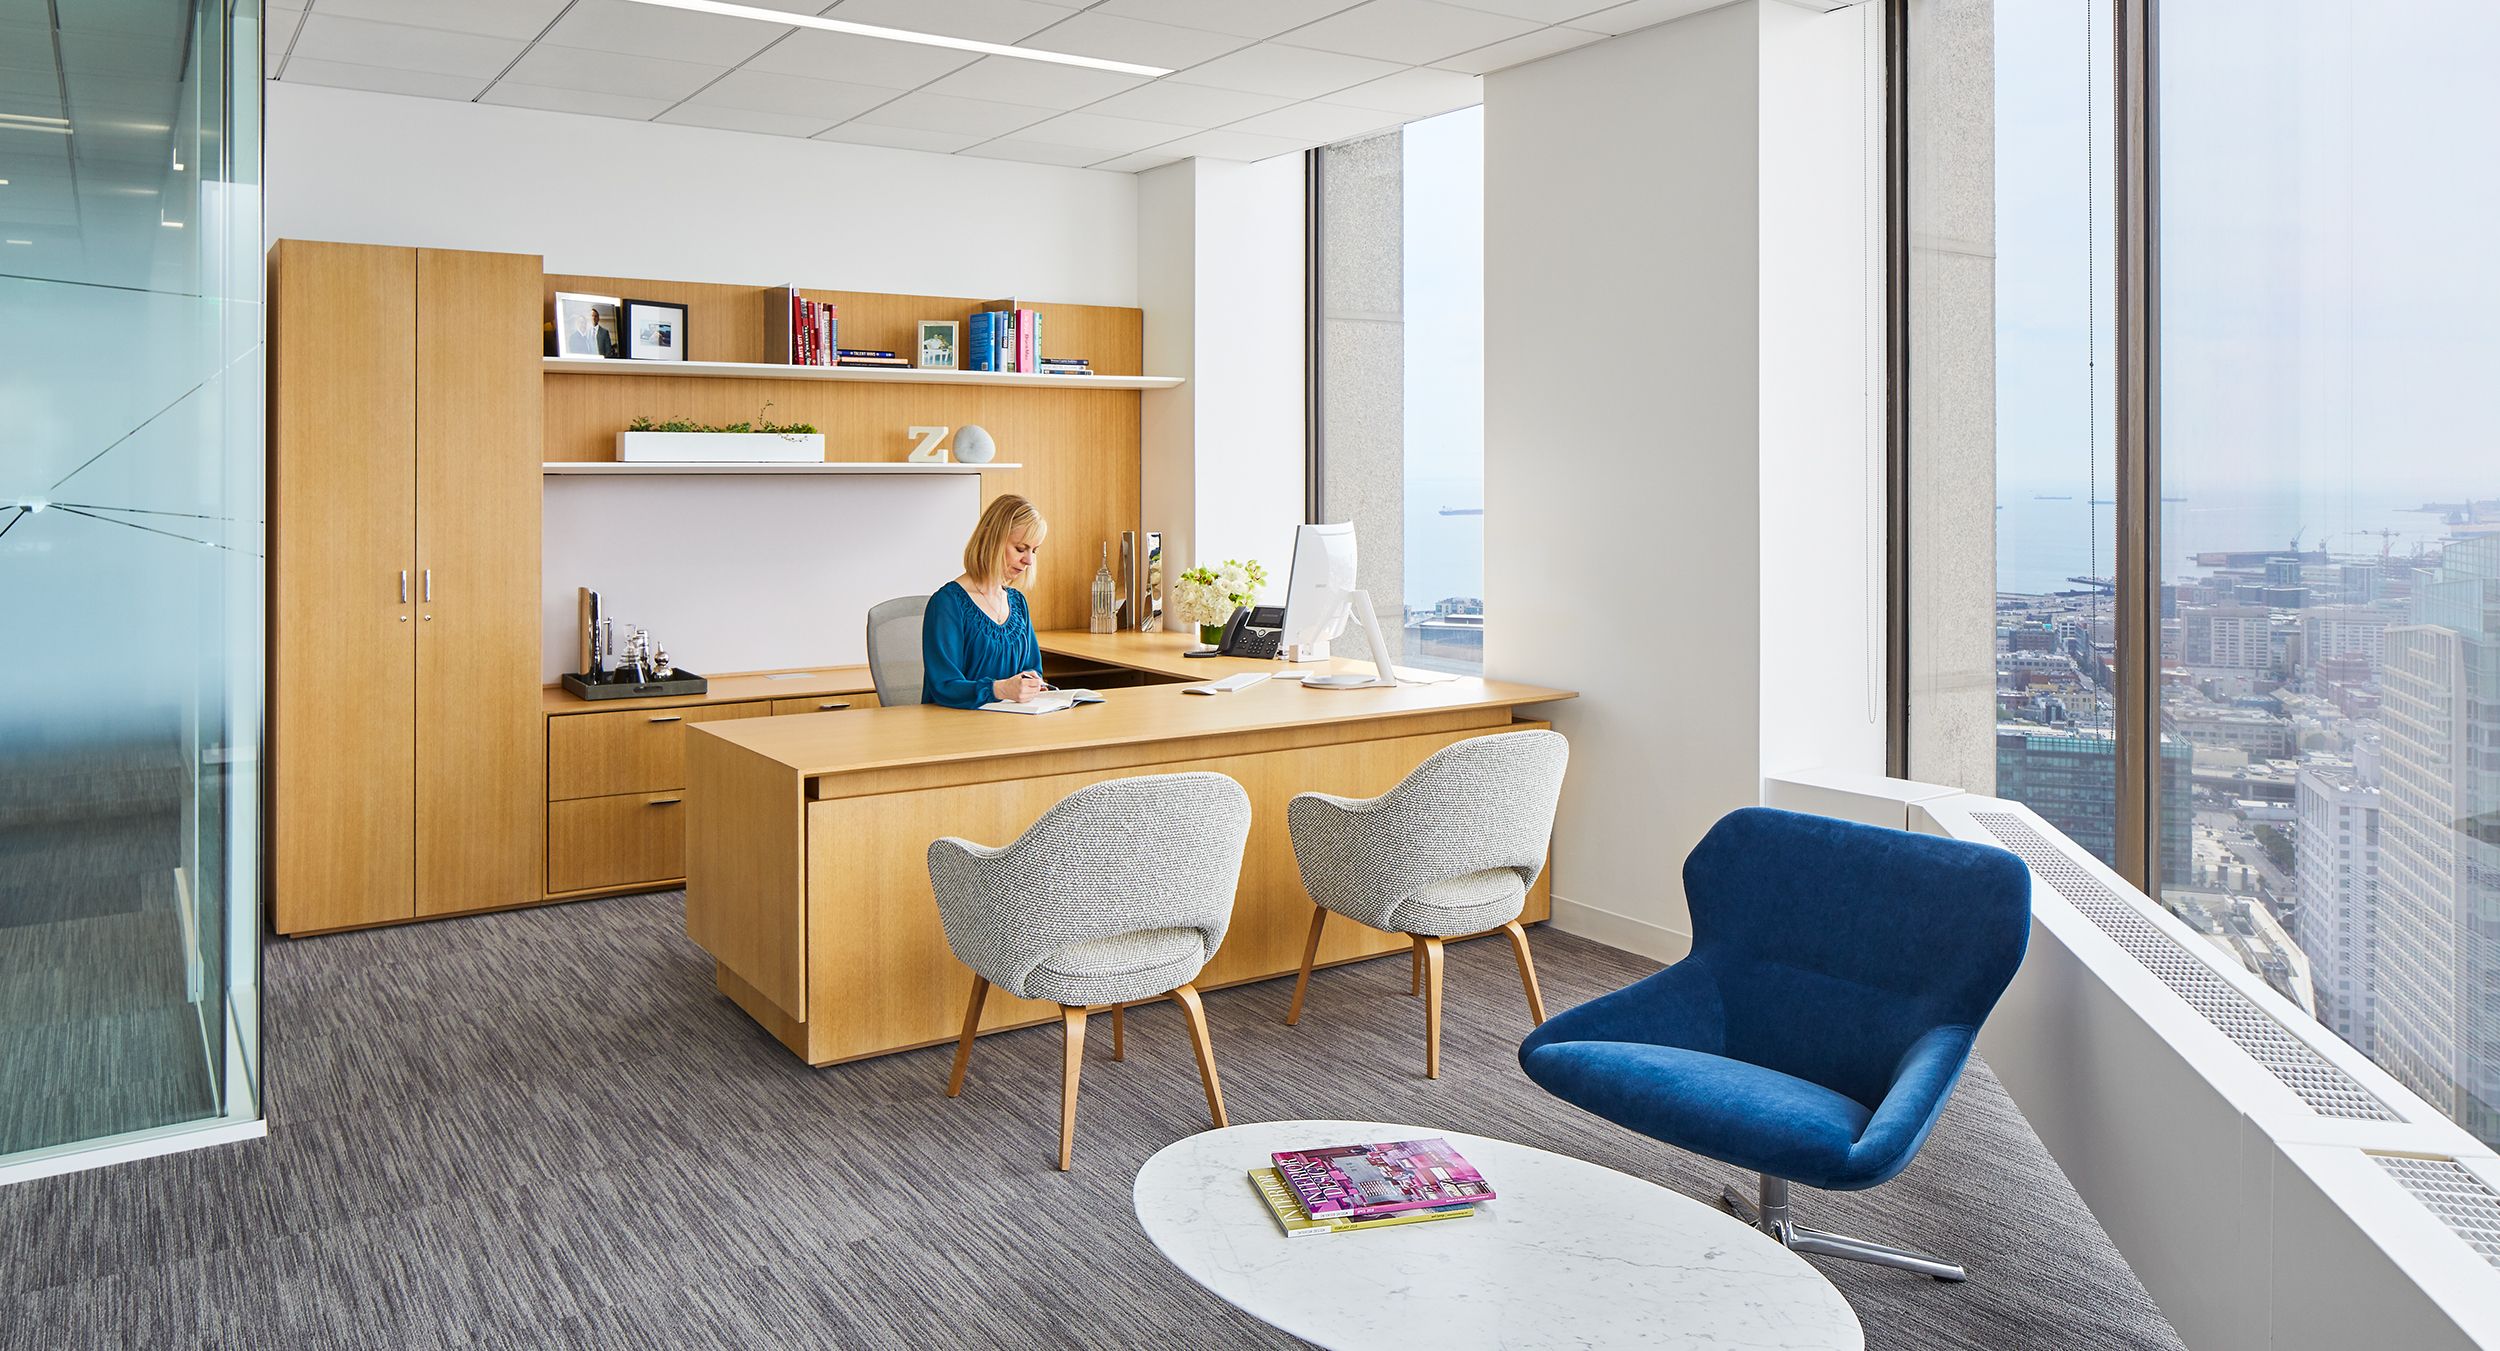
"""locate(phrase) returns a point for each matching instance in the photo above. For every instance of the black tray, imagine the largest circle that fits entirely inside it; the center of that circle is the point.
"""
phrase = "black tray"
(620, 685)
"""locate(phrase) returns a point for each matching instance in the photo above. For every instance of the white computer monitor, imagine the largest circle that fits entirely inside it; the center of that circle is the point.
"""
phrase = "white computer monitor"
(1321, 598)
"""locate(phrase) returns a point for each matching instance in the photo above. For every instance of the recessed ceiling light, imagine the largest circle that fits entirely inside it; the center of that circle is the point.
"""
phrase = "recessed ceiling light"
(171, 224)
(870, 30)
(21, 241)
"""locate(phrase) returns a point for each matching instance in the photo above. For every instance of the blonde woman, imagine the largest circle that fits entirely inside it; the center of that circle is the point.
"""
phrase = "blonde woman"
(976, 641)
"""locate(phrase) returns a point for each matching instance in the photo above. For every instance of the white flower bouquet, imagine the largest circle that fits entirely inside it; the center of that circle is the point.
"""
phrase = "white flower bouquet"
(1206, 597)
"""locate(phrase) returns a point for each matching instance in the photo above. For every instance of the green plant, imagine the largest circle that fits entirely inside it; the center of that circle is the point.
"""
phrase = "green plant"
(761, 424)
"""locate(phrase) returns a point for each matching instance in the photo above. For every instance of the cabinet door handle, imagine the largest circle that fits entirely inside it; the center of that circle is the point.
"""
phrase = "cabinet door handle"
(664, 802)
(822, 708)
(403, 586)
(428, 593)
(668, 717)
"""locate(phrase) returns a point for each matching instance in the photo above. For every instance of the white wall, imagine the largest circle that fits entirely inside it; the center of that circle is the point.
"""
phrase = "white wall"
(1646, 201)
(644, 199)
(1220, 268)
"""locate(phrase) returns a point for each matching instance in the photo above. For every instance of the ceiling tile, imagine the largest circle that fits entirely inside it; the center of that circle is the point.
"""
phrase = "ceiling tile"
(1285, 72)
(121, 54)
(1236, 145)
(1105, 135)
(762, 91)
(279, 29)
(522, 19)
(986, 20)
(1319, 123)
(1641, 14)
(1037, 152)
(692, 114)
(926, 111)
(1421, 92)
(513, 93)
(400, 47)
(858, 60)
(1250, 19)
(1409, 32)
(1543, 11)
(1114, 38)
(1142, 160)
(611, 73)
(382, 79)
(1192, 105)
(648, 30)
(900, 138)
(1037, 84)
(1542, 43)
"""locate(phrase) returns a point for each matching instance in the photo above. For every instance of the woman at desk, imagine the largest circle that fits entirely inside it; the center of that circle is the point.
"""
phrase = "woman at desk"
(976, 640)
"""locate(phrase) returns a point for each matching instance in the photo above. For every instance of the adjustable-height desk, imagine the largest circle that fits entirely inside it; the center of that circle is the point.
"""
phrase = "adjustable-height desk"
(807, 837)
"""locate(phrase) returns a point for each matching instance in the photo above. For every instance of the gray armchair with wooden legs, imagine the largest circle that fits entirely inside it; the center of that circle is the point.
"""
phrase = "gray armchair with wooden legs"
(1117, 895)
(1450, 852)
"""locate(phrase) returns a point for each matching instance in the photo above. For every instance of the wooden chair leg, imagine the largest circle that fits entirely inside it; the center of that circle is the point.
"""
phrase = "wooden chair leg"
(1431, 949)
(1310, 953)
(1415, 978)
(1196, 1014)
(1119, 1031)
(1072, 1024)
(972, 1028)
(1527, 969)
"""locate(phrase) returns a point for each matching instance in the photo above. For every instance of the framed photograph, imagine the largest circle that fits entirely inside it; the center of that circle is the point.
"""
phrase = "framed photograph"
(937, 345)
(654, 331)
(588, 326)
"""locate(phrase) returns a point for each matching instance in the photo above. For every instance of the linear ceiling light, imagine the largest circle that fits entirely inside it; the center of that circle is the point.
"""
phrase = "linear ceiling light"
(58, 126)
(869, 30)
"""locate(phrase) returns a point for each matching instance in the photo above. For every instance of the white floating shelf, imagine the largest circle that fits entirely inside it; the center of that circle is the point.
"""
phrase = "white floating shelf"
(612, 468)
(750, 370)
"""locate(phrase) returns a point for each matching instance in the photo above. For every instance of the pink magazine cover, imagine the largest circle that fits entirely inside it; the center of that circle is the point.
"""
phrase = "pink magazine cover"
(1356, 1181)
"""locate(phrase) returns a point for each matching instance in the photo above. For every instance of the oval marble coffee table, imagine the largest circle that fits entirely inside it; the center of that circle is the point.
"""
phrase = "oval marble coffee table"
(1569, 1255)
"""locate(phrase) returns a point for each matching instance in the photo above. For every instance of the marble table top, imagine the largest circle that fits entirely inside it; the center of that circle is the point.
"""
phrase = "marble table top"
(1569, 1255)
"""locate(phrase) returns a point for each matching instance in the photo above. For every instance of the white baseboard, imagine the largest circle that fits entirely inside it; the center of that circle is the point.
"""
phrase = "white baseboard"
(123, 1149)
(1600, 925)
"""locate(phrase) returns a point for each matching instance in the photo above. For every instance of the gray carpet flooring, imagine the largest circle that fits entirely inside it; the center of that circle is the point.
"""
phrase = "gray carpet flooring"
(545, 1129)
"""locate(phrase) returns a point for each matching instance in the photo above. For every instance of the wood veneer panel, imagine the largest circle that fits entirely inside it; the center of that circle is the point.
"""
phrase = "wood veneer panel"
(746, 873)
(1079, 446)
(597, 842)
(634, 751)
(480, 760)
(342, 498)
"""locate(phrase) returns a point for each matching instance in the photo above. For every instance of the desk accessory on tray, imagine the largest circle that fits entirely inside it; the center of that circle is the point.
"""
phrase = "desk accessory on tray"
(640, 669)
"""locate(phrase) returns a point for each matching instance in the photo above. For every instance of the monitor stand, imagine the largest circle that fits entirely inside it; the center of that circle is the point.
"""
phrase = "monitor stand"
(1384, 674)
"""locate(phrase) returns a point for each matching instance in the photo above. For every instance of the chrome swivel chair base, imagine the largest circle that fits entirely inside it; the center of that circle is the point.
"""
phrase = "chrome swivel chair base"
(1770, 1215)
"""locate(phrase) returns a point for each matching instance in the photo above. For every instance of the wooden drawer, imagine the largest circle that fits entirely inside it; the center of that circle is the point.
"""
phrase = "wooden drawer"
(615, 841)
(641, 750)
(825, 703)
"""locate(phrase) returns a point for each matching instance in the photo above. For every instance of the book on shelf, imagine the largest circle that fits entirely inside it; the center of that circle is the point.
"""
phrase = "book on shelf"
(1289, 1215)
(1016, 337)
(1362, 1181)
(865, 352)
(1066, 366)
(800, 329)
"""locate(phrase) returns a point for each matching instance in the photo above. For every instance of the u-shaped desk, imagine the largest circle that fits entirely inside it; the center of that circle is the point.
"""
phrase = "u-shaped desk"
(807, 837)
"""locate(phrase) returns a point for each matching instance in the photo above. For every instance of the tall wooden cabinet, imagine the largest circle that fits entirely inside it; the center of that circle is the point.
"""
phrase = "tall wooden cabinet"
(405, 737)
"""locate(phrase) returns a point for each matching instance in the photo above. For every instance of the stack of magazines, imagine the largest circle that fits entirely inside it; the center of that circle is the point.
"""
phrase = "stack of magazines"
(1342, 1187)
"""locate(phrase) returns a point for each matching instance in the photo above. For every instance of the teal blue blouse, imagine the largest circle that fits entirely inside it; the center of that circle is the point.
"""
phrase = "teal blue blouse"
(962, 649)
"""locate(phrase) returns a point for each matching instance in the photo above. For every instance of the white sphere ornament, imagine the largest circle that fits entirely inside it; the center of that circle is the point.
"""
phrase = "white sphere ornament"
(974, 446)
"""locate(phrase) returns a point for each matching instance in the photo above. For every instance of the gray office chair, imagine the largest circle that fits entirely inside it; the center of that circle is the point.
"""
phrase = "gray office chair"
(1118, 895)
(1451, 851)
(894, 649)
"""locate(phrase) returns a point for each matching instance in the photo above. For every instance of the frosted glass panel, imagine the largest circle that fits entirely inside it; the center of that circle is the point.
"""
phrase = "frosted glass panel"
(131, 573)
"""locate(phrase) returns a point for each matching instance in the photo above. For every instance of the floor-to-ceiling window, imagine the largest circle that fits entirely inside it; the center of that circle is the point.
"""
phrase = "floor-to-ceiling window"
(2319, 552)
(130, 570)
(1401, 378)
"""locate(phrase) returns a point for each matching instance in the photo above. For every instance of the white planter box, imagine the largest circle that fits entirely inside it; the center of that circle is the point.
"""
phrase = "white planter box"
(719, 448)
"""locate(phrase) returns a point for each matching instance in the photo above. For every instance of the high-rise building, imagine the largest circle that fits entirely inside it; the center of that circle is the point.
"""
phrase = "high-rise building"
(2439, 881)
(2070, 777)
(2225, 635)
(2336, 869)
(2331, 631)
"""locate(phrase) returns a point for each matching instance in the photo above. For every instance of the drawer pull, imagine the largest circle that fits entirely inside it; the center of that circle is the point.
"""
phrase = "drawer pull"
(822, 708)
(668, 717)
(664, 801)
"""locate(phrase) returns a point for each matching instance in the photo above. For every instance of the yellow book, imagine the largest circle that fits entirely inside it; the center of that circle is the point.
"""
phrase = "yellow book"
(1288, 1211)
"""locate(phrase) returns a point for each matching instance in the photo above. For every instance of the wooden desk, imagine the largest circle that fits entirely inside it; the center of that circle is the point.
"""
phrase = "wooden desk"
(807, 836)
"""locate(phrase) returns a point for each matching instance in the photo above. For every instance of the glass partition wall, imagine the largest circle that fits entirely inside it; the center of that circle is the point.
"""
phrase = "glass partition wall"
(131, 575)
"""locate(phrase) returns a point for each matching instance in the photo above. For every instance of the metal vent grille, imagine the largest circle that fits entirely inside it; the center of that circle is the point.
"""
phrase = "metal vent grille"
(2455, 1196)
(2328, 1090)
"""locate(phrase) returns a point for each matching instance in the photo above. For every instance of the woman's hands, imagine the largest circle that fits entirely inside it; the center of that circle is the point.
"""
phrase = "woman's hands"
(1018, 688)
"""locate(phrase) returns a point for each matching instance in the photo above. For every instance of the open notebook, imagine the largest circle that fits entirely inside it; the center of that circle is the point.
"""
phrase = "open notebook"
(1050, 701)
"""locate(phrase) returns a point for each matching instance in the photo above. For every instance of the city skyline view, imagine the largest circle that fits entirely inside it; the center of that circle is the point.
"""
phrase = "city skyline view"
(2328, 782)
